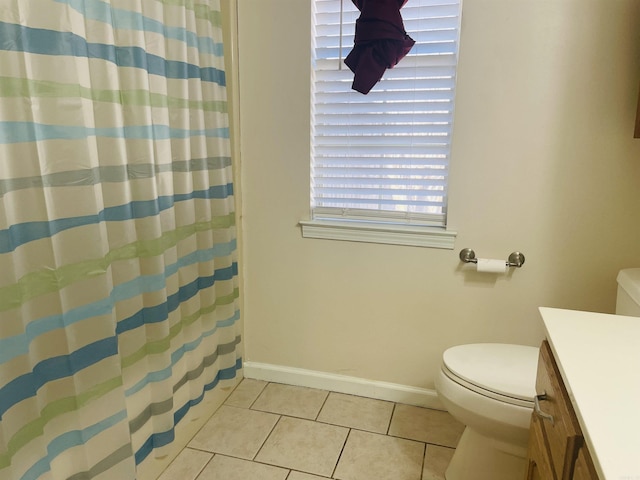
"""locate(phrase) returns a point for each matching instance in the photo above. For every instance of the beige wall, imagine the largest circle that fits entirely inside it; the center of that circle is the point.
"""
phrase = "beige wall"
(543, 162)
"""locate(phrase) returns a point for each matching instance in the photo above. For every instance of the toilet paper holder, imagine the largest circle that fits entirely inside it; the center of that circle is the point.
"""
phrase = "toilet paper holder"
(516, 259)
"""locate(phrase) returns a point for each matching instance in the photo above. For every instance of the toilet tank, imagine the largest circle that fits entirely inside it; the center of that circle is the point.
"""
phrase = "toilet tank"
(628, 299)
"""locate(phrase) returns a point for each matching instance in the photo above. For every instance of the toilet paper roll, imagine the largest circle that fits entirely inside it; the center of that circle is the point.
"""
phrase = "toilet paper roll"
(490, 265)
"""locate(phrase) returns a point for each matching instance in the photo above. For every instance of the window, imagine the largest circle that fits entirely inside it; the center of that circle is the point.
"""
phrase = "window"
(380, 161)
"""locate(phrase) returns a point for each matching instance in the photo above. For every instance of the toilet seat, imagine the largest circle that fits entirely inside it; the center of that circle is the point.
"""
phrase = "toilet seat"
(502, 372)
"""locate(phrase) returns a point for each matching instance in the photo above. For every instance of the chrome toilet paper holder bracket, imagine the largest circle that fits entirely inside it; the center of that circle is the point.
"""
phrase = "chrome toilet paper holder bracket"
(516, 259)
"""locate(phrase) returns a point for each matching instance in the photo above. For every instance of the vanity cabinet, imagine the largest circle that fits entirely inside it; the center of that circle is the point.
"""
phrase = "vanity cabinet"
(556, 447)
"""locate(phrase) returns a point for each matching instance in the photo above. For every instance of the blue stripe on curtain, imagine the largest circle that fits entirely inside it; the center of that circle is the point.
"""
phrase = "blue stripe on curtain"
(27, 385)
(125, 19)
(159, 313)
(20, 234)
(48, 42)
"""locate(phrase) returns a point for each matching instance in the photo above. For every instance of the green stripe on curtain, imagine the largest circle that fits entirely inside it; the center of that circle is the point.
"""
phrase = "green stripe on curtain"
(201, 10)
(118, 260)
(111, 174)
(50, 280)
(21, 87)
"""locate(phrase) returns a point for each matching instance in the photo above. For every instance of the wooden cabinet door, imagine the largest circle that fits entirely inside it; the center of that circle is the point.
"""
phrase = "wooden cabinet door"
(637, 131)
(539, 466)
(584, 469)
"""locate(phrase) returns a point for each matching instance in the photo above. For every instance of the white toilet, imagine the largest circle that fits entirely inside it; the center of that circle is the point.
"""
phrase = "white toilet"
(489, 387)
(628, 299)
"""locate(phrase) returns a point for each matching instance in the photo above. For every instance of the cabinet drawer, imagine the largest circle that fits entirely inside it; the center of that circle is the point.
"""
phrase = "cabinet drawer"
(562, 433)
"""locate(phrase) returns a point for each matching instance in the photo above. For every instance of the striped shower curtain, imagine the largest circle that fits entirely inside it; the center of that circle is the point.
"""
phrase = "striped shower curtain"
(118, 266)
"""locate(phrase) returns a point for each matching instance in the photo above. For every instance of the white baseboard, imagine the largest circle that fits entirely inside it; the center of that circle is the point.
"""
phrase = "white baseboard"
(392, 392)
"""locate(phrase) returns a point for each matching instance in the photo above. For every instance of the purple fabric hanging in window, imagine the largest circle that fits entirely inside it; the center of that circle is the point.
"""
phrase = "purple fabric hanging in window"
(380, 42)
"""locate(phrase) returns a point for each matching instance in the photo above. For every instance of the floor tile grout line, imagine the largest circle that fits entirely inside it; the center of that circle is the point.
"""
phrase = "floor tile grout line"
(198, 450)
(335, 467)
(285, 415)
(205, 465)
(251, 407)
(258, 396)
(231, 393)
(295, 470)
(226, 455)
(358, 429)
(323, 404)
(266, 438)
(257, 461)
(424, 460)
(393, 412)
(421, 441)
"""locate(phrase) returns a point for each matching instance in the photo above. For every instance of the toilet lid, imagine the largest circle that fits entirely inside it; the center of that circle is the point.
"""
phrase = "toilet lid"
(508, 370)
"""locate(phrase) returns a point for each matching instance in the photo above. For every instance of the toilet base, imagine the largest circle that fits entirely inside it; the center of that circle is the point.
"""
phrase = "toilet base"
(479, 458)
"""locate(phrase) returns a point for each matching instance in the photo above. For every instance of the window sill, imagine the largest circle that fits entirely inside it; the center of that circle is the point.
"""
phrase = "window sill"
(433, 237)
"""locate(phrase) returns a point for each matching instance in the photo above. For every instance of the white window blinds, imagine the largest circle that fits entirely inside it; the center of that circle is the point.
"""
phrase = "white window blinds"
(384, 156)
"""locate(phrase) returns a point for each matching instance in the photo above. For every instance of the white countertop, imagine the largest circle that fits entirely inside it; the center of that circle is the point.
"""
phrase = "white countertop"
(599, 359)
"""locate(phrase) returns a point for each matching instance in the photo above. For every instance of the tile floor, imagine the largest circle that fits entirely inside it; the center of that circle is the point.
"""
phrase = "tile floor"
(270, 431)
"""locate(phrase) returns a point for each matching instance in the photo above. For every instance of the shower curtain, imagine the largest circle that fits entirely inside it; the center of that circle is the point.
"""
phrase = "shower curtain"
(118, 266)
